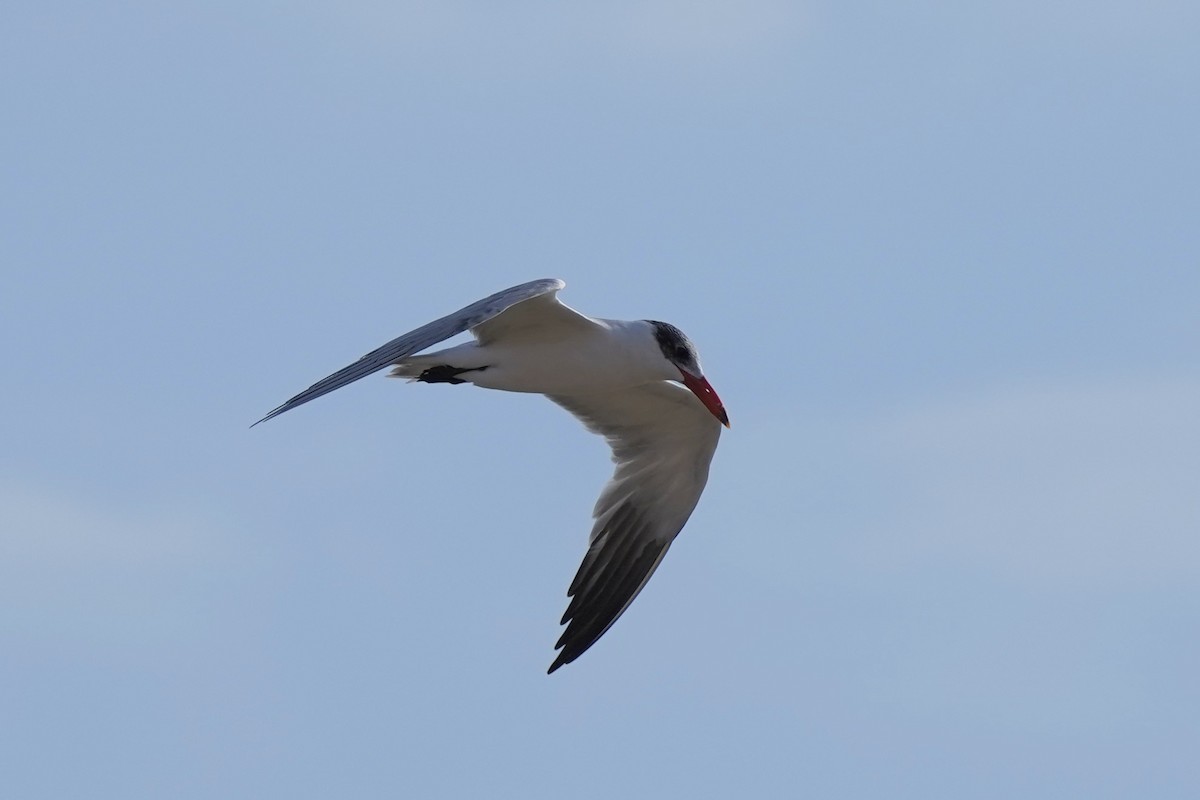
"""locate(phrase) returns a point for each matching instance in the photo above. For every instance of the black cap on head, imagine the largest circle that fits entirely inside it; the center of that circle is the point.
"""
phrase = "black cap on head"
(675, 345)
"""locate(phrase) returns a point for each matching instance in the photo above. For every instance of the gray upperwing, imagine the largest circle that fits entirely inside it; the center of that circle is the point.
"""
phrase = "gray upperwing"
(425, 336)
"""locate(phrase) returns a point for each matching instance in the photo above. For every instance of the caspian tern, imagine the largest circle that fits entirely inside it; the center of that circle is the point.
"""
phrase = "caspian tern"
(620, 380)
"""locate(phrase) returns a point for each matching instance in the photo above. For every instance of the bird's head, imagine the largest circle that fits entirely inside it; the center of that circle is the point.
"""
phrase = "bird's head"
(681, 353)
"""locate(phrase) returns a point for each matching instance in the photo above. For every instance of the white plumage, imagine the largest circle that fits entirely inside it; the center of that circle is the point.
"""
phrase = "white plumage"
(619, 379)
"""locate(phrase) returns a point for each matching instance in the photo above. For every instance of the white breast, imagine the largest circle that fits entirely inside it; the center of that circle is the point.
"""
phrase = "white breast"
(614, 355)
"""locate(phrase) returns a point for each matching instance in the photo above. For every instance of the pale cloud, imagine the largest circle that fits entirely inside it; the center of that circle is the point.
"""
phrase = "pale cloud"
(1055, 484)
(1092, 483)
(689, 28)
(1102, 23)
(89, 579)
(460, 34)
(54, 529)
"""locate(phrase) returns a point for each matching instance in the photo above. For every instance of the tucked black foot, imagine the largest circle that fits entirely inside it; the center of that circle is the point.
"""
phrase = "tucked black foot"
(444, 373)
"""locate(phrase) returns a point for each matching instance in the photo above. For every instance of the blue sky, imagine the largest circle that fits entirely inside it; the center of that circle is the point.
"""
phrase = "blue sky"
(941, 262)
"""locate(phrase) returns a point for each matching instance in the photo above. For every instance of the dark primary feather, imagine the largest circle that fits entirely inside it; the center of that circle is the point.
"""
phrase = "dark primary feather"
(662, 440)
(583, 632)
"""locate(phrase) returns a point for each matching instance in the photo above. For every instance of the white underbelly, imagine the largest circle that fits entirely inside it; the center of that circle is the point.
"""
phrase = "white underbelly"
(560, 367)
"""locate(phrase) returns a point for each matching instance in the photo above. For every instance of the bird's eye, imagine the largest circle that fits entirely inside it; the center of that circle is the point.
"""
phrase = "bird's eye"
(681, 353)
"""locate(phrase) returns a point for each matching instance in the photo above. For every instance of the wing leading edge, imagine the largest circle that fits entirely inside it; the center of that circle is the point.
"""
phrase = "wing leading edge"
(417, 340)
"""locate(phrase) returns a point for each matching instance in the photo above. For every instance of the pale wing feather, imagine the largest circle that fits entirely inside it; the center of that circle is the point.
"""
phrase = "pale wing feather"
(663, 440)
(474, 315)
(543, 316)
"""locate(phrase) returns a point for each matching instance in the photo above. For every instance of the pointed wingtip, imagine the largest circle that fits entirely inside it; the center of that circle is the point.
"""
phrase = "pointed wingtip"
(274, 413)
(264, 419)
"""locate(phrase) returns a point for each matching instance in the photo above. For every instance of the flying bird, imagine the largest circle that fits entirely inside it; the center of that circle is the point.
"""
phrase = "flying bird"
(621, 380)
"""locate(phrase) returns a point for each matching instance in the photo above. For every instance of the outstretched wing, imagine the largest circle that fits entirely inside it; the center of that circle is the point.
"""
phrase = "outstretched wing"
(662, 441)
(425, 336)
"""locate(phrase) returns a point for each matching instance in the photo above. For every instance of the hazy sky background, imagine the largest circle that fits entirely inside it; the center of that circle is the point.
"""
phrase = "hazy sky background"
(941, 262)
